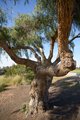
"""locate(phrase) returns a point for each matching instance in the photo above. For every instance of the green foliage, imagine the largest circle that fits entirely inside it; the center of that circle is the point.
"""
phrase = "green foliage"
(3, 19)
(4, 34)
(24, 31)
(15, 70)
(20, 70)
(16, 75)
(46, 17)
(33, 29)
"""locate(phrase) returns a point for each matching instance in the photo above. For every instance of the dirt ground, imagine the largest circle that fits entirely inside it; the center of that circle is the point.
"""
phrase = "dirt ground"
(64, 101)
(11, 100)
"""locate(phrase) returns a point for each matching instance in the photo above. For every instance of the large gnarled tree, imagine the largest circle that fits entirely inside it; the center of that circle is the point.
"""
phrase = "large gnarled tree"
(52, 21)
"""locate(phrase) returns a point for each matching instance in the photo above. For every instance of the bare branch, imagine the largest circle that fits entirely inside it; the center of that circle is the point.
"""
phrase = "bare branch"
(53, 38)
(41, 52)
(14, 57)
(30, 48)
(56, 61)
(77, 36)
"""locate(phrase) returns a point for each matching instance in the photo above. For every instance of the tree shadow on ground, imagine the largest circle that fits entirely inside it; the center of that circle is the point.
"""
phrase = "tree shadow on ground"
(3, 87)
(65, 92)
(64, 101)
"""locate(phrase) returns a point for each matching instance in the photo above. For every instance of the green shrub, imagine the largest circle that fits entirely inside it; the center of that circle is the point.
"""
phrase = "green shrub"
(16, 75)
(15, 70)
(21, 70)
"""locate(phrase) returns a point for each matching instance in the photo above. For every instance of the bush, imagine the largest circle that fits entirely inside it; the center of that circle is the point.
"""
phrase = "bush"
(26, 73)
(16, 75)
(15, 70)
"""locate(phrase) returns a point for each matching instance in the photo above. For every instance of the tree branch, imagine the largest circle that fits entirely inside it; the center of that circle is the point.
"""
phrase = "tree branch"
(56, 61)
(14, 57)
(41, 52)
(52, 70)
(30, 48)
(77, 36)
(53, 38)
(58, 58)
(60, 71)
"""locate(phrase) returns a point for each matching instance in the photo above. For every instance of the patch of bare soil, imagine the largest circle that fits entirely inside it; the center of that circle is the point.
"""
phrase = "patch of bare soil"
(11, 101)
(64, 101)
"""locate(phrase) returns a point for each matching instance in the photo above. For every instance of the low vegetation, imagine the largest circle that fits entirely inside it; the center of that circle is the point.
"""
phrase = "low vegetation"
(16, 75)
(19, 74)
(77, 71)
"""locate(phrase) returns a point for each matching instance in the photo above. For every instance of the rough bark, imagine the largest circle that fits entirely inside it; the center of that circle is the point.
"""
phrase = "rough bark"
(65, 17)
(39, 94)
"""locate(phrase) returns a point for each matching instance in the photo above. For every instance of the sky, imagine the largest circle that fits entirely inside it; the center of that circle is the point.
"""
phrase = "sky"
(14, 10)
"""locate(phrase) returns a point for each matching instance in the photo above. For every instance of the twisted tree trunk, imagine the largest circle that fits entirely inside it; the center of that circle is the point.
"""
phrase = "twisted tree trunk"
(39, 94)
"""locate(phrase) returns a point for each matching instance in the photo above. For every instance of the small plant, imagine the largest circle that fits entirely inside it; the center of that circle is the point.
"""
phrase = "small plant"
(25, 108)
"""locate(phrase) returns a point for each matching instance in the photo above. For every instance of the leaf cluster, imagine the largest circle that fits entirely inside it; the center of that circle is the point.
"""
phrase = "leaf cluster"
(3, 18)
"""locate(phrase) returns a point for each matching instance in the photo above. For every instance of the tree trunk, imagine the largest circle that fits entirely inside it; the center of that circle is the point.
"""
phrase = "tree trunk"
(65, 17)
(39, 94)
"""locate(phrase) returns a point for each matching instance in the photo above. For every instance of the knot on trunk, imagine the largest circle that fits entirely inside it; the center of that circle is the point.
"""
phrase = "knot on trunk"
(67, 60)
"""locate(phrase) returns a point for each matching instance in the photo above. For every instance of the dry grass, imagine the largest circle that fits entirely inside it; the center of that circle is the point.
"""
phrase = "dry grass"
(11, 80)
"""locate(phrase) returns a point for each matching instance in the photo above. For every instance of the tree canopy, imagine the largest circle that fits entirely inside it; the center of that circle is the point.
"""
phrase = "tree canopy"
(30, 32)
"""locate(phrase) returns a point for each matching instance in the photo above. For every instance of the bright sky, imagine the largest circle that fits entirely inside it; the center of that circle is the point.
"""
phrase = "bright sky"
(13, 11)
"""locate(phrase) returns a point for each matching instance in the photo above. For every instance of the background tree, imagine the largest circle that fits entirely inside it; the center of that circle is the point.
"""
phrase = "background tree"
(52, 21)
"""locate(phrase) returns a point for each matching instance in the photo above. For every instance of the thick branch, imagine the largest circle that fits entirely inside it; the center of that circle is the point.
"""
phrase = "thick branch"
(30, 48)
(53, 38)
(52, 70)
(58, 58)
(14, 57)
(60, 71)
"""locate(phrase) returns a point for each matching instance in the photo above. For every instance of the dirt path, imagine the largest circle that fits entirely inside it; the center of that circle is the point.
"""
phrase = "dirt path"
(11, 100)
